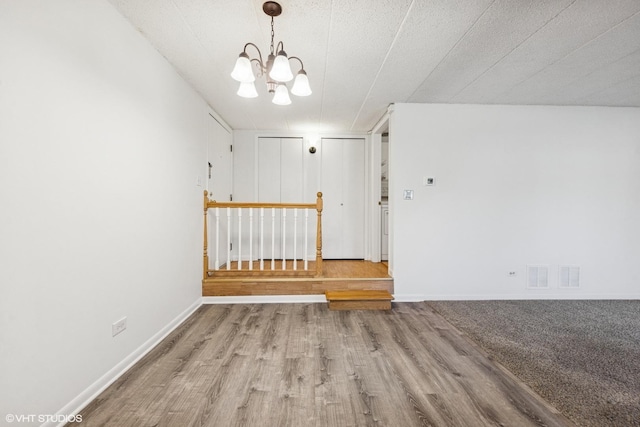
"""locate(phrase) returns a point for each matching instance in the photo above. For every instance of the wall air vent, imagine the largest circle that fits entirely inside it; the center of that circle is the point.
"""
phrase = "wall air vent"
(569, 276)
(537, 277)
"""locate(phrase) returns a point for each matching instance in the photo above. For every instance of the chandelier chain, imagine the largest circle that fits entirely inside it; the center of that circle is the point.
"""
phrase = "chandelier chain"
(272, 35)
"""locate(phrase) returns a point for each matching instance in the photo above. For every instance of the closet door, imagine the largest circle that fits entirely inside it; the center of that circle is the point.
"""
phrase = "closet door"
(269, 192)
(342, 185)
(268, 170)
(291, 172)
(280, 170)
(280, 180)
(291, 189)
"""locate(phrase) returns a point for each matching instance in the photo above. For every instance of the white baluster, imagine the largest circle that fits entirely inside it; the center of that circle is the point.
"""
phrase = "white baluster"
(217, 263)
(284, 238)
(261, 238)
(295, 238)
(239, 238)
(250, 238)
(273, 238)
(306, 238)
(228, 238)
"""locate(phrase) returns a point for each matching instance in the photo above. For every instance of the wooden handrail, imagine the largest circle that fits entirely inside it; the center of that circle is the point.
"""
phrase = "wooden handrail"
(318, 206)
(214, 204)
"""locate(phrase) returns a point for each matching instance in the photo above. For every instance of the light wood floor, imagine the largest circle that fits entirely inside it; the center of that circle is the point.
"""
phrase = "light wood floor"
(346, 268)
(303, 365)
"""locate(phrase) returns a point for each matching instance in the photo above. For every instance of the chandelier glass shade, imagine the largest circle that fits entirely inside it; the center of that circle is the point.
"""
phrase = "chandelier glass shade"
(247, 90)
(276, 69)
(281, 97)
(242, 72)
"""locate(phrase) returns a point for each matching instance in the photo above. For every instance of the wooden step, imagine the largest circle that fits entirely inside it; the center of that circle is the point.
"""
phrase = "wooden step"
(337, 275)
(288, 285)
(359, 300)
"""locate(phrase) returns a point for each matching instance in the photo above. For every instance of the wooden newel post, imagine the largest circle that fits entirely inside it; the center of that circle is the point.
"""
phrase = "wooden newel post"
(319, 206)
(205, 256)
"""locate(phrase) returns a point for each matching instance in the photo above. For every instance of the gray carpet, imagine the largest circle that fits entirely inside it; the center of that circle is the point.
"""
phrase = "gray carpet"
(583, 357)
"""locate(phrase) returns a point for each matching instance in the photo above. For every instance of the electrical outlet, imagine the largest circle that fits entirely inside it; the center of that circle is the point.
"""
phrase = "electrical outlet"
(119, 326)
(428, 180)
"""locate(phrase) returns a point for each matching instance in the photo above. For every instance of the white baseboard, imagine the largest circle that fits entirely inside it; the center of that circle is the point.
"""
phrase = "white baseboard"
(278, 299)
(518, 296)
(408, 297)
(265, 299)
(84, 398)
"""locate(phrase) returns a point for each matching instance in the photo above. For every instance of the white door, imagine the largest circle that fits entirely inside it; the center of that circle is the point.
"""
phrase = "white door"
(269, 192)
(219, 183)
(281, 180)
(269, 170)
(343, 189)
(280, 170)
(384, 234)
(220, 161)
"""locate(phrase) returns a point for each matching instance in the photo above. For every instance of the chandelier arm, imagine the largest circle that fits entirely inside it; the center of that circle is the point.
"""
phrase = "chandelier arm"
(299, 60)
(257, 49)
(279, 47)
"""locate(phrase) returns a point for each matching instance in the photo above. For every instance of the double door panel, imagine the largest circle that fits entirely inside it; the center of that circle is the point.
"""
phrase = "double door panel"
(288, 173)
(281, 179)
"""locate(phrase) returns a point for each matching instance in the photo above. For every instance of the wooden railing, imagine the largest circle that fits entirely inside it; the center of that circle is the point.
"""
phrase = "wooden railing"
(284, 265)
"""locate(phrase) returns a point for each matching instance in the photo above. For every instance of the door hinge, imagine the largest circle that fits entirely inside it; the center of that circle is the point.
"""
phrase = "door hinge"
(231, 148)
(231, 197)
(230, 246)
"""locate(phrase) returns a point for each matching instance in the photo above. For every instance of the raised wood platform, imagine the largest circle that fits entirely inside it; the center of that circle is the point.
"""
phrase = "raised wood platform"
(359, 300)
(337, 275)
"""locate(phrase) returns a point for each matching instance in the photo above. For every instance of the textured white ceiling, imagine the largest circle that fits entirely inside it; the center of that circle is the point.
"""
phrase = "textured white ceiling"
(362, 55)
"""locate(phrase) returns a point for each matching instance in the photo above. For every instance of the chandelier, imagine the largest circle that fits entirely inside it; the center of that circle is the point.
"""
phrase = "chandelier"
(276, 69)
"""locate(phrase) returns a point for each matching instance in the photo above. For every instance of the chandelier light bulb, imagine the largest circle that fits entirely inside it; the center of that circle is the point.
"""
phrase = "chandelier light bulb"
(281, 97)
(281, 71)
(301, 85)
(242, 71)
(247, 90)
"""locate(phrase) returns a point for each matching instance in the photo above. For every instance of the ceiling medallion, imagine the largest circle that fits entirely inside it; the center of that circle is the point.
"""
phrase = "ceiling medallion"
(276, 69)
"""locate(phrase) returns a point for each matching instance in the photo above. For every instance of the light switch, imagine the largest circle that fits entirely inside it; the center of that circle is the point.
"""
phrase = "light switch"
(408, 194)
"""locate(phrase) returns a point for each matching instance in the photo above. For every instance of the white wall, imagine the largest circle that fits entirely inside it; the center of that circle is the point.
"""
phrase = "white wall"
(515, 185)
(101, 146)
